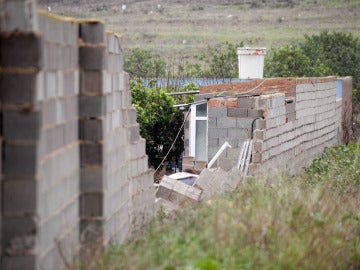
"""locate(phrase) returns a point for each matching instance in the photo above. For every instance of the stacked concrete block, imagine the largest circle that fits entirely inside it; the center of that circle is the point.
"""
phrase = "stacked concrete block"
(231, 120)
(117, 193)
(289, 143)
(291, 126)
(40, 165)
(178, 192)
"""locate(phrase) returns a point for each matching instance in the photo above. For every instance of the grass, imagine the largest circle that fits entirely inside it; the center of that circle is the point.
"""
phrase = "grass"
(209, 23)
(309, 221)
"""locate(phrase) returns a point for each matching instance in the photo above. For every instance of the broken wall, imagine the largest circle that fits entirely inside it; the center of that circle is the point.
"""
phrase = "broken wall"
(73, 164)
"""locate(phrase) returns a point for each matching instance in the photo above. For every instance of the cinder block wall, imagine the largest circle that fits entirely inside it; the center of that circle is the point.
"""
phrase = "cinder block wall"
(116, 184)
(39, 108)
(73, 164)
(289, 145)
(299, 120)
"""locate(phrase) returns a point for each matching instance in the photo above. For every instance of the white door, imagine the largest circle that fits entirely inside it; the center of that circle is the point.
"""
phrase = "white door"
(198, 131)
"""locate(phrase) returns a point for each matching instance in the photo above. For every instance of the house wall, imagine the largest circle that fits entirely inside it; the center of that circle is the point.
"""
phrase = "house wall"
(283, 145)
(73, 167)
(298, 121)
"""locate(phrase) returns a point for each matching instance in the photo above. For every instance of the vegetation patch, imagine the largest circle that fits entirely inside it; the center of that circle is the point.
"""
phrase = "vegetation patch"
(310, 221)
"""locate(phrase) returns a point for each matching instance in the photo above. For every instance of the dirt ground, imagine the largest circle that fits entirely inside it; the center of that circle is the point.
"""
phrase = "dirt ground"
(186, 27)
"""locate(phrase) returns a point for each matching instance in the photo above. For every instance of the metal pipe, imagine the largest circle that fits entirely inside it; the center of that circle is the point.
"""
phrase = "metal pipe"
(218, 153)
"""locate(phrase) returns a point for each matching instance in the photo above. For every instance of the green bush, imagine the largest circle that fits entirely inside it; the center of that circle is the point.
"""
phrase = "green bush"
(159, 121)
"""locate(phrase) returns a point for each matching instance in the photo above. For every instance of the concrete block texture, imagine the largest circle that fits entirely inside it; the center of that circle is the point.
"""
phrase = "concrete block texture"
(92, 57)
(91, 153)
(18, 88)
(20, 197)
(68, 152)
(91, 204)
(21, 16)
(177, 192)
(92, 31)
(91, 129)
(21, 125)
(92, 106)
(21, 50)
(19, 159)
(91, 82)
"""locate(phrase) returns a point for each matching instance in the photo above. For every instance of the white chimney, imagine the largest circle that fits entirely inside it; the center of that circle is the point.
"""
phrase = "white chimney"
(251, 62)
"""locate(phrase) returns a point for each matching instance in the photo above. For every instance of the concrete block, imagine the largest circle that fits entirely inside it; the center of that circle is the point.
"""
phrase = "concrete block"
(92, 57)
(48, 113)
(91, 154)
(21, 125)
(51, 84)
(92, 106)
(19, 159)
(21, 50)
(217, 112)
(19, 262)
(214, 133)
(248, 102)
(255, 113)
(258, 146)
(55, 137)
(257, 158)
(178, 192)
(259, 134)
(237, 112)
(244, 123)
(200, 97)
(92, 32)
(69, 83)
(91, 82)
(20, 196)
(91, 129)
(91, 204)
(20, 16)
(238, 133)
(18, 88)
(260, 124)
(217, 181)
(225, 122)
(134, 133)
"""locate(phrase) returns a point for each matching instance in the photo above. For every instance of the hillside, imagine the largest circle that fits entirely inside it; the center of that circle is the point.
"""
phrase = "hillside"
(184, 27)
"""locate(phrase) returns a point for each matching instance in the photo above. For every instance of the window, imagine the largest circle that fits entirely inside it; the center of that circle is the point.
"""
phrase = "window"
(198, 131)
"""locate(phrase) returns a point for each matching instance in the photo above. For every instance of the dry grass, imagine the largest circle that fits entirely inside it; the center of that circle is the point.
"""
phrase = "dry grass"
(183, 27)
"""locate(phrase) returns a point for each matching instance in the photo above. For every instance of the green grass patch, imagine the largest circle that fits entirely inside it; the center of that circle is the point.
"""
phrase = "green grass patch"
(310, 221)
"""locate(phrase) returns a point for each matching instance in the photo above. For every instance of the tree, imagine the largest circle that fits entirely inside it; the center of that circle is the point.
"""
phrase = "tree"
(287, 61)
(158, 119)
(142, 63)
(339, 51)
(325, 54)
(222, 60)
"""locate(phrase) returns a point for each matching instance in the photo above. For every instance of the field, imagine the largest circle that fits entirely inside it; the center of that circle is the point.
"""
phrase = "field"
(184, 28)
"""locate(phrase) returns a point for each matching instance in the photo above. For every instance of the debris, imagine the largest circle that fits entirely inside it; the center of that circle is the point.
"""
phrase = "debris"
(217, 181)
(178, 192)
(185, 177)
